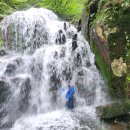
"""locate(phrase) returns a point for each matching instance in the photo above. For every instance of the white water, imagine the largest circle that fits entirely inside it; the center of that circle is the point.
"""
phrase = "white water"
(41, 68)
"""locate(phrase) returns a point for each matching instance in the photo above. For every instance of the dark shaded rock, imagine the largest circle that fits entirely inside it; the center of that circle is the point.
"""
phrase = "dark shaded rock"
(4, 90)
(74, 42)
(54, 84)
(61, 38)
(88, 64)
(60, 31)
(54, 81)
(10, 69)
(3, 52)
(77, 60)
(65, 26)
(94, 7)
(67, 74)
(79, 26)
(24, 95)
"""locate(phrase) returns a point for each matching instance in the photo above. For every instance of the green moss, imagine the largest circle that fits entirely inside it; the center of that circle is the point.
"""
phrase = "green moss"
(115, 109)
(105, 70)
(128, 77)
(112, 111)
(113, 17)
(1, 43)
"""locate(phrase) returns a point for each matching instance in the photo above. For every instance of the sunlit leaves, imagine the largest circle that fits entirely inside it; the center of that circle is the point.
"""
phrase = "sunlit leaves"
(69, 9)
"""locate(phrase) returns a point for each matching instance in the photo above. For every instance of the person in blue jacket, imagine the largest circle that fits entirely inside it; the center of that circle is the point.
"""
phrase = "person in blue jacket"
(70, 96)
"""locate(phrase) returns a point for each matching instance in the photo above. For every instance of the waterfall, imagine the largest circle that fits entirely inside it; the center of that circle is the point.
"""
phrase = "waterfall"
(42, 54)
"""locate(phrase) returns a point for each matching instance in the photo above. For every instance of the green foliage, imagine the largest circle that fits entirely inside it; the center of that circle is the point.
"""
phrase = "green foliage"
(5, 9)
(67, 9)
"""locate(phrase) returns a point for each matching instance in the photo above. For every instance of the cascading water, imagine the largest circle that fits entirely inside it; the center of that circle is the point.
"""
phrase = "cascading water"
(42, 54)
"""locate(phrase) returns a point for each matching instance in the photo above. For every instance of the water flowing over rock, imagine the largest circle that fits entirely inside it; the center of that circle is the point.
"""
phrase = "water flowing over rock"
(44, 53)
(20, 32)
(4, 90)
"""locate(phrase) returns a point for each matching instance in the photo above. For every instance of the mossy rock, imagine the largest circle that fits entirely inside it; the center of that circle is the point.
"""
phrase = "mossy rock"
(113, 109)
(1, 39)
(108, 30)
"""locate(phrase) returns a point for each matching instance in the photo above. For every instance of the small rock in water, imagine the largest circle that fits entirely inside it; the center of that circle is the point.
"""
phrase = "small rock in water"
(3, 52)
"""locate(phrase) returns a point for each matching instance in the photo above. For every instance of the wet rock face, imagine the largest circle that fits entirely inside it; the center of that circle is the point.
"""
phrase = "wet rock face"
(74, 42)
(12, 67)
(85, 24)
(24, 95)
(79, 26)
(107, 38)
(54, 80)
(24, 34)
(23, 86)
(4, 91)
(67, 74)
(13, 102)
(61, 38)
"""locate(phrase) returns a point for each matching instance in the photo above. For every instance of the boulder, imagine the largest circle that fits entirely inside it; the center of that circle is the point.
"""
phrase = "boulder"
(113, 110)
(24, 95)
